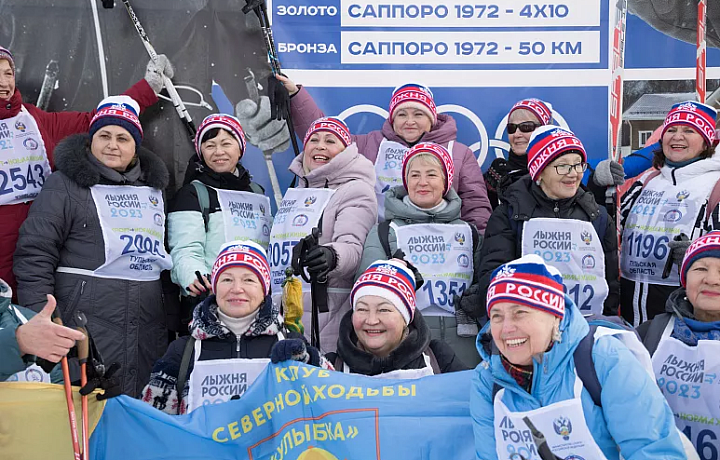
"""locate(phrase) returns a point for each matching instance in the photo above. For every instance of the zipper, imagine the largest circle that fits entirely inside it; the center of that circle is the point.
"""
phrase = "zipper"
(556, 209)
(237, 346)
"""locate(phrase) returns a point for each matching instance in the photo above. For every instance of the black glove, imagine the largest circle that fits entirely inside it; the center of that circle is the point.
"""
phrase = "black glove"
(289, 350)
(105, 382)
(498, 169)
(279, 99)
(471, 301)
(250, 5)
(419, 281)
(320, 259)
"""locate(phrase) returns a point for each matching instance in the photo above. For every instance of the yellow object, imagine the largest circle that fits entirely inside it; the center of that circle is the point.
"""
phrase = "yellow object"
(34, 422)
(292, 303)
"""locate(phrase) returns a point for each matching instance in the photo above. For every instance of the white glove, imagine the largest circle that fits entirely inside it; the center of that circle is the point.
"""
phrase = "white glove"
(155, 71)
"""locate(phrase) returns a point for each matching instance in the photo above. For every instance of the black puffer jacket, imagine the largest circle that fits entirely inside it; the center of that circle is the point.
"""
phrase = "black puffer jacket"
(126, 318)
(527, 200)
(217, 343)
(502, 174)
(408, 355)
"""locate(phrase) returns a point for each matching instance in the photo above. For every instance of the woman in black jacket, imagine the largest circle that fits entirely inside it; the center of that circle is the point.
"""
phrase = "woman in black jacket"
(232, 334)
(583, 247)
(94, 239)
(384, 335)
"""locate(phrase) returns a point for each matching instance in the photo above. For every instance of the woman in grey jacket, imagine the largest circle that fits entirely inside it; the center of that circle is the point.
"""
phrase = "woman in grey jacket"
(422, 218)
(94, 239)
(335, 195)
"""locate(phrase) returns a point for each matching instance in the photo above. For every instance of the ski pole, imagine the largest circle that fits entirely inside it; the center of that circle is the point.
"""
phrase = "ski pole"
(255, 97)
(701, 59)
(83, 353)
(543, 449)
(172, 92)
(48, 85)
(69, 397)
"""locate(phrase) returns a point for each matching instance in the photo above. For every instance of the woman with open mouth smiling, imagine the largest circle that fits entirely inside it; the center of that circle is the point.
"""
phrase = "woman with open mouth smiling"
(335, 196)
(218, 203)
(666, 208)
(530, 372)
(547, 213)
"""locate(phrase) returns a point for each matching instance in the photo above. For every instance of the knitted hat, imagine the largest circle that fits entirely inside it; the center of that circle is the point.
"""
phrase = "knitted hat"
(414, 96)
(548, 143)
(699, 116)
(707, 245)
(528, 281)
(542, 110)
(331, 125)
(246, 254)
(390, 280)
(222, 121)
(118, 111)
(438, 151)
(6, 54)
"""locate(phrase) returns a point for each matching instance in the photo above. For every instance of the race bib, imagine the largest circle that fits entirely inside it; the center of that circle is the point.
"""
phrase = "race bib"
(299, 212)
(133, 225)
(443, 253)
(246, 216)
(24, 165)
(574, 248)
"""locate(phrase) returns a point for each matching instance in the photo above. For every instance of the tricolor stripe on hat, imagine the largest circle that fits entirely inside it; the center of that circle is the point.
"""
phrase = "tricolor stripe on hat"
(332, 125)
(548, 143)
(699, 116)
(391, 280)
(438, 151)
(6, 54)
(246, 254)
(222, 121)
(528, 281)
(707, 245)
(541, 109)
(418, 95)
(121, 111)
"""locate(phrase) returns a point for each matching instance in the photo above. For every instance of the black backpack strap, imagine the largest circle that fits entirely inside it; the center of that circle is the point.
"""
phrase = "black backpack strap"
(384, 235)
(585, 367)
(338, 364)
(184, 366)
(433, 361)
(655, 332)
(475, 238)
(203, 200)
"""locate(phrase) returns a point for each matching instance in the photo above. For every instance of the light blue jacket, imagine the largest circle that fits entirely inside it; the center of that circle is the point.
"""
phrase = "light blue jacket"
(634, 416)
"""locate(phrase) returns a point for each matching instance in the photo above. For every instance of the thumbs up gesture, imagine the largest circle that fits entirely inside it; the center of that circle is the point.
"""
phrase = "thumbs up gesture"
(45, 339)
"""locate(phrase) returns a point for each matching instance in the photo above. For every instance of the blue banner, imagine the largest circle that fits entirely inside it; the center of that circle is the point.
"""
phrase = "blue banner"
(294, 411)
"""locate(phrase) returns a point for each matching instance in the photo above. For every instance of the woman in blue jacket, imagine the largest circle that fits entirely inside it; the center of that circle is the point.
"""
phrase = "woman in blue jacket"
(528, 371)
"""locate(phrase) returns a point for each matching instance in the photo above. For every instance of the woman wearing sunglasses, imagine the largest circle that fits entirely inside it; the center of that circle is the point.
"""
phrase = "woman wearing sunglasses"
(583, 246)
(524, 118)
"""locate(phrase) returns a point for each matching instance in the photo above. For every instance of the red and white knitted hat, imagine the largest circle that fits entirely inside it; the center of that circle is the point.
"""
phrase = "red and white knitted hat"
(541, 109)
(415, 96)
(332, 125)
(391, 280)
(245, 254)
(222, 121)
(439, 152)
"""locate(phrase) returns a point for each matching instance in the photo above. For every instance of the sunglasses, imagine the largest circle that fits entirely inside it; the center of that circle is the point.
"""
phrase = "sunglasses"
(525, 127)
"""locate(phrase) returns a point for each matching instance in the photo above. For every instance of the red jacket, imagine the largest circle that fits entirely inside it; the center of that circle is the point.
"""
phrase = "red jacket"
(53, 127)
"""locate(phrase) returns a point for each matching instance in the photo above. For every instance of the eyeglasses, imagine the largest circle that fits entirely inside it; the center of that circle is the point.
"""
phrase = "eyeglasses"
(564, 170)
(525, 127)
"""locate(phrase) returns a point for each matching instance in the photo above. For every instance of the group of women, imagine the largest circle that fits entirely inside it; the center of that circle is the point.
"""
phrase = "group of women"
(399, 216)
